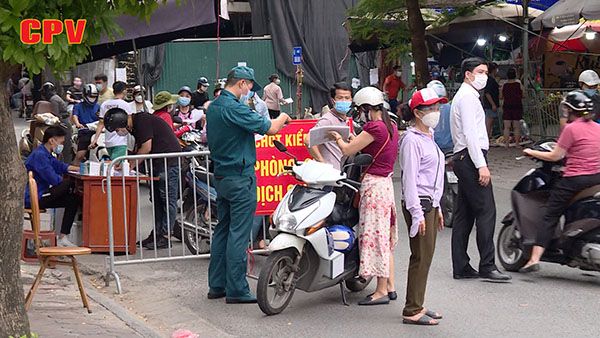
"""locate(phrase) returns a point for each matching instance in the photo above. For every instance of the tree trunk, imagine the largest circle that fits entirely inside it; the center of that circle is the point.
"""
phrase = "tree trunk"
(13, 318)
(417, 40)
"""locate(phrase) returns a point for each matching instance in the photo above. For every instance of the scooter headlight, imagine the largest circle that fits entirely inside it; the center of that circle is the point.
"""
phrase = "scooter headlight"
(287, 222)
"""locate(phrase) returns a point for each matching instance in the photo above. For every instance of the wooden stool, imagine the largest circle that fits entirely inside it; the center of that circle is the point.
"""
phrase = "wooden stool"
(45, 254)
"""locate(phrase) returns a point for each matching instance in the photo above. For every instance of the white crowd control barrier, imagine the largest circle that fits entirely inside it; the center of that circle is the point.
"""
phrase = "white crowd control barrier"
(162, 207)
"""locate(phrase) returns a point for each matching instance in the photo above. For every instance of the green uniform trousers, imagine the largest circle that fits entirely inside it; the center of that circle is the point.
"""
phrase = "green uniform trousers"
(236, 205)
(422, 249)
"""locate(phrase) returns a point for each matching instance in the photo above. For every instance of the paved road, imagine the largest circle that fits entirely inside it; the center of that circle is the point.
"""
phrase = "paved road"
(559, 301)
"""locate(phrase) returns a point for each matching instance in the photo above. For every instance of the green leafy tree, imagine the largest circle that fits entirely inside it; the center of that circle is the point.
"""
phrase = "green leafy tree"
(400, 24)
(59, 56)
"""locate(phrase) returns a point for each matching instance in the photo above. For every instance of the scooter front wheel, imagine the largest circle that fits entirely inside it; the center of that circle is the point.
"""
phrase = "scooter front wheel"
(276, 282)
(511, 252)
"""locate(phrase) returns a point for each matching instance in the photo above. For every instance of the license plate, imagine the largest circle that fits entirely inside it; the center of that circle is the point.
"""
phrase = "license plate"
(452, 178)
(29, 102)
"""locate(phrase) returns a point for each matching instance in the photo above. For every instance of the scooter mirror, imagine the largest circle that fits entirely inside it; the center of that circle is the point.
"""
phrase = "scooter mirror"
(280, 146)
(362, 160)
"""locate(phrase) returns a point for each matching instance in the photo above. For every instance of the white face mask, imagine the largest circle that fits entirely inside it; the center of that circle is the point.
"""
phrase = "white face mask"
(398, 74)
(432, 119)
(480, 81)
(277, 81)
(139, 98)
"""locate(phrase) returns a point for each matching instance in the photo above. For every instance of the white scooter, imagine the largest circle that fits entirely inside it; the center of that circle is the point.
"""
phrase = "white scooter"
(303, 253)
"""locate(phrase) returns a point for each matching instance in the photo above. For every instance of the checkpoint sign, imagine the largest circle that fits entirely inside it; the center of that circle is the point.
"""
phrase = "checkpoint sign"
(297, 56)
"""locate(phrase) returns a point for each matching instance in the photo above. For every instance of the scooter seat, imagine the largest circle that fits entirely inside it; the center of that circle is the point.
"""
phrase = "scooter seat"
(589, 192)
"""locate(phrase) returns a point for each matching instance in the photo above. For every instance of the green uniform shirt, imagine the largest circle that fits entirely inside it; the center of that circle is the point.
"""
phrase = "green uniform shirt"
(230, 127)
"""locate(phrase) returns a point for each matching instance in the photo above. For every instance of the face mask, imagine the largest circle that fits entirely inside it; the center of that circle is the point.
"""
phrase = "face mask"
(590, 92)
(91, 99)
(58, 149)
(77, 83)
(432, 119)
(480, 81)
(183, 101)
(342, 106)
(139, 98)
(277, 81)
(122, 132)
(398, 74)
(99, 86)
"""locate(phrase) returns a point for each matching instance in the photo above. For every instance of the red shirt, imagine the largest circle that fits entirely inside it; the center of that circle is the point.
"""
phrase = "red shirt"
(581, 141)
(166, 116)
(392, 85)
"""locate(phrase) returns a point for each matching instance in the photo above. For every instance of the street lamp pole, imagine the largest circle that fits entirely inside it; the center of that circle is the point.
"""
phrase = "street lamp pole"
(525, 47)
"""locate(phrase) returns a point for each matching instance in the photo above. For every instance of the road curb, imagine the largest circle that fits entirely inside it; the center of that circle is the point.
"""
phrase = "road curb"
(120, 312)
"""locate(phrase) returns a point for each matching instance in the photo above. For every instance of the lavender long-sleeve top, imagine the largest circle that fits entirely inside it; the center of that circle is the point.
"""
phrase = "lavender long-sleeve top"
(423, 166)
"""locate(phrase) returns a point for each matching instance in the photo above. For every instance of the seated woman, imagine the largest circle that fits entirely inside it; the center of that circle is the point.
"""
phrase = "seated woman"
(423, 165)
(580, 143)
(377, 232)
(53, 191)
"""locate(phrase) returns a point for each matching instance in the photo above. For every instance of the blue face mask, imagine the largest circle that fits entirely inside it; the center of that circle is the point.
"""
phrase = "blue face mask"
(590, 92)
(183, 101)
(343, 107)
(59, 149)
(245, 98)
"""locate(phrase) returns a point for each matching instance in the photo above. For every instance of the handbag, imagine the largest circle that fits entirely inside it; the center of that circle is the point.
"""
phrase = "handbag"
(356, 200)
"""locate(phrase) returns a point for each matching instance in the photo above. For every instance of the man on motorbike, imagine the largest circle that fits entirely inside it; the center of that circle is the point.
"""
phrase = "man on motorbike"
(85, 113)
(59, 109)
(341, 102)
(579, 142)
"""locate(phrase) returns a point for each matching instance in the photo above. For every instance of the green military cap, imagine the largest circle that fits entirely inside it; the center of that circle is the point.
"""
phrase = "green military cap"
(247, 73)
(164, 98)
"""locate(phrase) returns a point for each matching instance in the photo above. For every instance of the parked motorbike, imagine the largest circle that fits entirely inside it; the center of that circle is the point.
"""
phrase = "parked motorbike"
(26, 108)
(199, 199)
(96, 154)
(32, 137)
(576, 243)
(450, 191)
(303, 252)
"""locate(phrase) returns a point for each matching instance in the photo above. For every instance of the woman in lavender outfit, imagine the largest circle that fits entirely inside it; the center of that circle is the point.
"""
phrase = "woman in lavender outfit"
(422, 187)
(377, 232)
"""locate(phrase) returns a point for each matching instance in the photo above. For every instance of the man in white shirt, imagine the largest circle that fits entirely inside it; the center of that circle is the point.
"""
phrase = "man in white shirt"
(475, 203)
(116, 144)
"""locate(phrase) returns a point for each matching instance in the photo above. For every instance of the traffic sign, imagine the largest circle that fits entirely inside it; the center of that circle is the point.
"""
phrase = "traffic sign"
(297, 56)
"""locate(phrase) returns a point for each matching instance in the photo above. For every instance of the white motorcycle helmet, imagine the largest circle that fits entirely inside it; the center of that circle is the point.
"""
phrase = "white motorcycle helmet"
(369, 95)
(438, 87)
(589, 77)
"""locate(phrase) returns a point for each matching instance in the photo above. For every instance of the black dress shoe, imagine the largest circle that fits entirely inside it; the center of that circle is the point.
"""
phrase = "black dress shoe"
(161, 243)
(215, 295)
(148, 240)
(495, 276)
(468, 273)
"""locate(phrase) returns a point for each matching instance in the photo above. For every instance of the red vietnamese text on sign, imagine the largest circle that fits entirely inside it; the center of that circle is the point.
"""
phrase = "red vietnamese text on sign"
(270, 189)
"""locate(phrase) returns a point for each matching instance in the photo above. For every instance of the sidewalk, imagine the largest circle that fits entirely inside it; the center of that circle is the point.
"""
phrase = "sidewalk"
(57, 310)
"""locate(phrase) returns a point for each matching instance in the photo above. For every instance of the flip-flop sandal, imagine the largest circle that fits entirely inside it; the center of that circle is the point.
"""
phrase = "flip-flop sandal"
(433, 314)
(424, 320)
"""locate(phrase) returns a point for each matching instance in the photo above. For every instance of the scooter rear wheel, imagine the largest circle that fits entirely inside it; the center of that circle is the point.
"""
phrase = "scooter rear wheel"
(511, 253)
(274, 290)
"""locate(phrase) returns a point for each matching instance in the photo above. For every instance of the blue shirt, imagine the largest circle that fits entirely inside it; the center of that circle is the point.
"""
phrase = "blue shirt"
(86, 113)
(230, 127)
(47, 171)
(442, 133)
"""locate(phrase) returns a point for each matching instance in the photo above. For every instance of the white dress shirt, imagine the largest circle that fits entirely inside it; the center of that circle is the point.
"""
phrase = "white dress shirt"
(467, 123)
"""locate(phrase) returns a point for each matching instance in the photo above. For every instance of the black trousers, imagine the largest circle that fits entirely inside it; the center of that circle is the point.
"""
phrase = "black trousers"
(274, 113)
(475, 205)
(62, 196)
(562, 192)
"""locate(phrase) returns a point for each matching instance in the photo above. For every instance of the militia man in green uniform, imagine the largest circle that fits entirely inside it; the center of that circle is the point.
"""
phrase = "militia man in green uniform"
(231, 126)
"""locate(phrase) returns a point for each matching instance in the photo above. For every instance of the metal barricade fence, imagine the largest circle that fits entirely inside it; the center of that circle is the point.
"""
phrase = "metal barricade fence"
(182, 203)
(542, 111)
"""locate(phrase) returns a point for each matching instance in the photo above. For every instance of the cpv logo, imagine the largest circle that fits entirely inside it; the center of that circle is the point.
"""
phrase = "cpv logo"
(49, 28)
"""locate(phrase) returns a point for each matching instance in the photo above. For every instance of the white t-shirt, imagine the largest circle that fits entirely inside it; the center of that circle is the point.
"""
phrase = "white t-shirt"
(112, 139)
